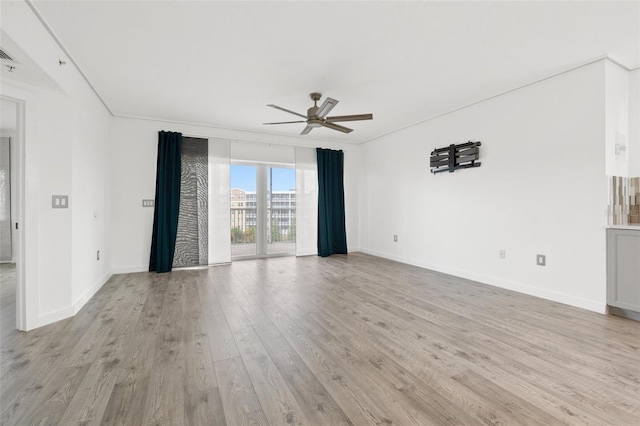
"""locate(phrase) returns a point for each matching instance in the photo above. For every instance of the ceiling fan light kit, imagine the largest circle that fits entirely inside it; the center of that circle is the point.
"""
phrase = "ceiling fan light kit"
(317, 115)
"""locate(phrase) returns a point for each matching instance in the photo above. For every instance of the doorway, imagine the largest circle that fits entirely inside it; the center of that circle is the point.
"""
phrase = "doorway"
(263, 210)
(8, 216)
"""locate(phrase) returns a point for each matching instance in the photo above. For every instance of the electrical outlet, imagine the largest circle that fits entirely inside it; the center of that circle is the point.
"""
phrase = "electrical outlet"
(541, 260)
(98, 255)
(502, 254)
(395, 238)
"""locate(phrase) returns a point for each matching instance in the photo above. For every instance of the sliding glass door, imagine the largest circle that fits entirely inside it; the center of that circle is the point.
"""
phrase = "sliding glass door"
(244, 214)
(281, 210)
(262, 214)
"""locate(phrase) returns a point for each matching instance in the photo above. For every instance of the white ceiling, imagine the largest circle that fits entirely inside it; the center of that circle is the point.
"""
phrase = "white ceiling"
(220, 63)
(24, 68)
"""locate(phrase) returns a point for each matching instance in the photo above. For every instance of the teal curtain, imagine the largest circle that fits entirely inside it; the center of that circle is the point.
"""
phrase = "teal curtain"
(167, 204)
(332, 234)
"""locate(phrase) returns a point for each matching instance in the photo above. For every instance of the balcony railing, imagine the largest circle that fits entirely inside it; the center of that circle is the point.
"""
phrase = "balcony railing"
(281, 225)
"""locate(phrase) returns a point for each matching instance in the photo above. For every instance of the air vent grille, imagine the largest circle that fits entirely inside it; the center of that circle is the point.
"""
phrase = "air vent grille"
(5, 56)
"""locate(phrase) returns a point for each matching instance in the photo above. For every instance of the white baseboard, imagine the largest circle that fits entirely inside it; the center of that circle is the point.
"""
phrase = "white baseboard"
(130, 269)
(566, 299)
(70, 311)
(82, 300)
(55, 316)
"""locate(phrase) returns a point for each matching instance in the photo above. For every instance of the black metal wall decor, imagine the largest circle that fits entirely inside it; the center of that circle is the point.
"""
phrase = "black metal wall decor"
(454, 157)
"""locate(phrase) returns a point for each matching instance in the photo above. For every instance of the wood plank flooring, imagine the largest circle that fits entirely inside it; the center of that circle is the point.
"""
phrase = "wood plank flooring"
(7, 298)
(345, 340)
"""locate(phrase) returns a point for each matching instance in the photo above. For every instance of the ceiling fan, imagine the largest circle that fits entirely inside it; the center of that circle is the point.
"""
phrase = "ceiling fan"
(317, 115)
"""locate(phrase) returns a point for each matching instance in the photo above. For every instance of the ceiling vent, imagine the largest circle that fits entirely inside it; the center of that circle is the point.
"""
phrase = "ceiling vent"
(5, 56)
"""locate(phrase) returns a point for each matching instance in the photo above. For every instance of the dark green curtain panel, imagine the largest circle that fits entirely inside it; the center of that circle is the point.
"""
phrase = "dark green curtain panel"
(167, 205)
(332, 234)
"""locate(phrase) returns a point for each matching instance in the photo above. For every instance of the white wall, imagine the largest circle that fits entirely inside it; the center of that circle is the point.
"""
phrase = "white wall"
(65, 143)
(634, 123)
(541, 189)
(133, 154)
(90, 192)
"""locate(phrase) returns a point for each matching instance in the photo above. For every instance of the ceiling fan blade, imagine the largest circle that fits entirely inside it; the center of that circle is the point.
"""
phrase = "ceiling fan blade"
(326, 107)
(288, 122)
(337, 127)
(306, 130)
(355, 117)
(286, 110)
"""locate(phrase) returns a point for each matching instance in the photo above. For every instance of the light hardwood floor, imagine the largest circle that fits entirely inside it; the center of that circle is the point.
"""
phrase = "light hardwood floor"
(309, 341)
(7, 299)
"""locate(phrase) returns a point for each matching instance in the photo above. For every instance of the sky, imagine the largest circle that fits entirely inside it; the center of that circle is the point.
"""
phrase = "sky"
(244, 177)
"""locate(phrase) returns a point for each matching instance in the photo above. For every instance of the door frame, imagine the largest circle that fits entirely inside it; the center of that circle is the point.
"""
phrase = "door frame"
(262, 230)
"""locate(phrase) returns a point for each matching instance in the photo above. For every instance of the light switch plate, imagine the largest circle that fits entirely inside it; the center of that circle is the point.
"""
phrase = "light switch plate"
(541, 260)
(60, 201)
(148, 203)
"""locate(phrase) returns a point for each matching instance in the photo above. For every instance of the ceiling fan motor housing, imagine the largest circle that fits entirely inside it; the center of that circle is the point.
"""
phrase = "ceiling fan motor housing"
(312, 112)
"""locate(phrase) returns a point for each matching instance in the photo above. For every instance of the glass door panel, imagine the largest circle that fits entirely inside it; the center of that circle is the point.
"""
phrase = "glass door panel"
(281, 211)
(244, 214)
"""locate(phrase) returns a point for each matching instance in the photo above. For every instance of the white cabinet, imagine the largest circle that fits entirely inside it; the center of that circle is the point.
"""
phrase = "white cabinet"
(623, 272)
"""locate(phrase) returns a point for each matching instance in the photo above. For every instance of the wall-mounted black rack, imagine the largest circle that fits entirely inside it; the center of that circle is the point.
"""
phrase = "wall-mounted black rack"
(454, 157)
